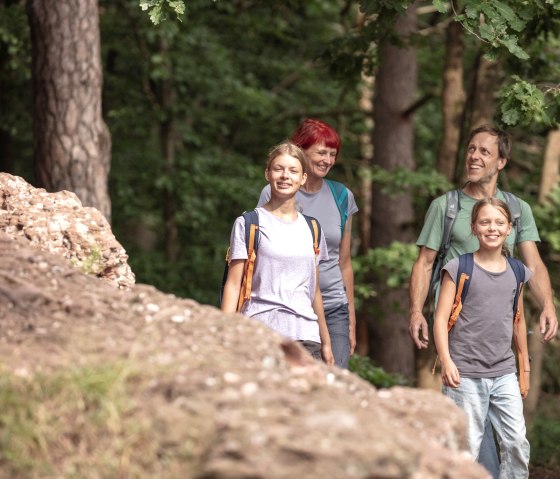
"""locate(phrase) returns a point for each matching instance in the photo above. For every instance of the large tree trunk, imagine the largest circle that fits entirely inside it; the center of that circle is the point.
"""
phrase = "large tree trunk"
(453, 100)
(549, 179)
(72, 143)
(392, 215)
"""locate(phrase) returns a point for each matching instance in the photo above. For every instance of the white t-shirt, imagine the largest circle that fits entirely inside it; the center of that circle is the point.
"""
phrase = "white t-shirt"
(284, 278)
(321, 205)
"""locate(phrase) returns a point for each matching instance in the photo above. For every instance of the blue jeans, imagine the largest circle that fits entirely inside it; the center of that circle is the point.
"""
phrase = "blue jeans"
(338, 324)
(488, 455)
(500, 400)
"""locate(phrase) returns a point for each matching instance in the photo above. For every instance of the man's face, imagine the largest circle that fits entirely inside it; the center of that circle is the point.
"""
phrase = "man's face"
(483, 159)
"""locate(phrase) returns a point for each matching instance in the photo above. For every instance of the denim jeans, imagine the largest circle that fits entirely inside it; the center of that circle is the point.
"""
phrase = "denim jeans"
(499, 399)
(488, 455)
(338, 324)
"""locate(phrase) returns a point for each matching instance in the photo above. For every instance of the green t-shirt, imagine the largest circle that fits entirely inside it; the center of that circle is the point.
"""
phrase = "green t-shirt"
(462, 239)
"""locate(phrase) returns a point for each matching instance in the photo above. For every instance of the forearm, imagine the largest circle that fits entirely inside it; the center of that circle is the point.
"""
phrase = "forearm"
(419, 286)
(348, 279)
(321, 321)
(541, 287)
(230, 298)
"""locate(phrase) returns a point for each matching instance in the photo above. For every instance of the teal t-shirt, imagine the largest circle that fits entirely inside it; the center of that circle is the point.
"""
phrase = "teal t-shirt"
(462, 239)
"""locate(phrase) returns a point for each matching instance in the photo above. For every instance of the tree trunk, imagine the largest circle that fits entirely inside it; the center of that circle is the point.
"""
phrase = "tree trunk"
(72, 145)
(392, 215)
(366, 144)
(453, 101)
(549, 180)
(488, 76)
(167, 141)
(481, 102)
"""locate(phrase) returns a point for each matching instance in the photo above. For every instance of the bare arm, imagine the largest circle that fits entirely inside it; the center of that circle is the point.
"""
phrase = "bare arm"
(541, 288)
(345, 263)
(233, 286)
(418, 292)
(449, 372)
(521, 343)
(317, 304)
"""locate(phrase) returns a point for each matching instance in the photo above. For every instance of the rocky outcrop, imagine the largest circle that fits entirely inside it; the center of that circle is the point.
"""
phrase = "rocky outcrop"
(101, 382)
(59, 224)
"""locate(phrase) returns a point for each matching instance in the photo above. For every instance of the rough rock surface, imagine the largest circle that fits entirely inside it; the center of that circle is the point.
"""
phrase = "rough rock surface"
(193, 393)
(58, 223)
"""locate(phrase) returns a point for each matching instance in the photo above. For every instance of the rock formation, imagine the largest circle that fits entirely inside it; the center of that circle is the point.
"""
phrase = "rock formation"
(102, 382)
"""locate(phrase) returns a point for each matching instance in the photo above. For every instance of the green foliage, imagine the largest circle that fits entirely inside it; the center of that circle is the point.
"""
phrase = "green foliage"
(161, 10)
(544, 437)
(501, 27)
(367, 370)
(521, 102)
(391, 264)
(423, 181)
(548, 219)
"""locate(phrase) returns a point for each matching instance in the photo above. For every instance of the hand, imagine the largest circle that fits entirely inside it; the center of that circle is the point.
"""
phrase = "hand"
(352, 336)
(548, 318)
(450, 374)
(327, 355)
(418, 329)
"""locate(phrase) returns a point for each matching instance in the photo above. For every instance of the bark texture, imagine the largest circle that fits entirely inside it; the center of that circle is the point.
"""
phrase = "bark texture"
(453, 101)
(72, 143)
(392, 215)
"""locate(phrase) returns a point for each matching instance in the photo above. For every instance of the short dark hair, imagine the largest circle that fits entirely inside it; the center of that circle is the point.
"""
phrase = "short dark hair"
(503, 139)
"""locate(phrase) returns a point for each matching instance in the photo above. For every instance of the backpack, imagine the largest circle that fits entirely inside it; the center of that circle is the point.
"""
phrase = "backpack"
(462, 282)
(453, 205)
(252, 242)
(340, 194)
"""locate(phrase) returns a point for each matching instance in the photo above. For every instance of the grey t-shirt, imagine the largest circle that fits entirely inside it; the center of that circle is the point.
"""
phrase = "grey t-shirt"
(480, 341)
(284, 278)
(322, 206)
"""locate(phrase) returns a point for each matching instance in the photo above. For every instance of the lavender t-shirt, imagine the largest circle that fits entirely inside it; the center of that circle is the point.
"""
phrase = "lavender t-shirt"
(284, 278)
(480, 341)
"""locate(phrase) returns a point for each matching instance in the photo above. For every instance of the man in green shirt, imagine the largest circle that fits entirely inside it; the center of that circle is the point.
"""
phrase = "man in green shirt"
(487, 154)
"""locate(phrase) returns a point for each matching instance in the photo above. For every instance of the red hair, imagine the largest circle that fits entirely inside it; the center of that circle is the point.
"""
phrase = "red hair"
(311, 132)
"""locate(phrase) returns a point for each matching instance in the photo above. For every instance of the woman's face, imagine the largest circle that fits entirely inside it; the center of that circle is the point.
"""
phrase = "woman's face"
(320, 159)
(285, 175)
(491, 227)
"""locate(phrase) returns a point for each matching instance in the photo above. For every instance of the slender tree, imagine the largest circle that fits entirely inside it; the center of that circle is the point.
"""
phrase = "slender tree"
(71, 141)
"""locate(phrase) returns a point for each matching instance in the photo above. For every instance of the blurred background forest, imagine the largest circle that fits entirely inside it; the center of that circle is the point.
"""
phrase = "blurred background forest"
(160, 113)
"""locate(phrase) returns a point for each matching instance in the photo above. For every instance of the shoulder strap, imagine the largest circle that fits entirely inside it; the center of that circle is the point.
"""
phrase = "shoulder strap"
(340, 194)
(252, 242)
(315, 228)
(464, 274)
(519, 271)
(515, 209)
(452, 207)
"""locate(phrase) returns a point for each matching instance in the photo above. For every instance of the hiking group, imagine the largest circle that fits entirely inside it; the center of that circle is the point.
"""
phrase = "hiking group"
(301, 282)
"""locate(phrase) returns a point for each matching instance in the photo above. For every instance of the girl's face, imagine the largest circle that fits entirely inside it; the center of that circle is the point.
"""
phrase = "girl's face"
(285, 175)
(491, 227)
(320, 159)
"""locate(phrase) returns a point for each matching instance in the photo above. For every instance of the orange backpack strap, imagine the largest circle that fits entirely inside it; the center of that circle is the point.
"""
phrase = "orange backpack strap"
(464, 273)
(247, 282)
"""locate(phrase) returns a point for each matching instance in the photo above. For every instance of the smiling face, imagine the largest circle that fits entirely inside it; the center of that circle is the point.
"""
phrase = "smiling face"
(320, 159)
(491, 226)
(285, 175)
(483, 161)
